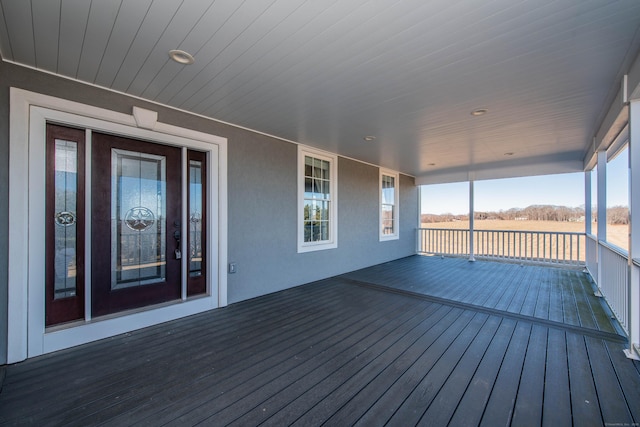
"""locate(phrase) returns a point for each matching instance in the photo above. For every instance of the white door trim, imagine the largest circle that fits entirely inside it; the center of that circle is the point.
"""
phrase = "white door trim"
(29, 112)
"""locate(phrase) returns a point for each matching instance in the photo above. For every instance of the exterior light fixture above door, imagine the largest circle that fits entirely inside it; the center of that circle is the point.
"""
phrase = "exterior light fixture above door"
(479, 112)
(181, 57)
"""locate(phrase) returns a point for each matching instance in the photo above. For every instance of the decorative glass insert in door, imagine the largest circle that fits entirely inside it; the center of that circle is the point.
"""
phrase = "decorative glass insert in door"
(197, 216)
(65, 207)
(138, 219)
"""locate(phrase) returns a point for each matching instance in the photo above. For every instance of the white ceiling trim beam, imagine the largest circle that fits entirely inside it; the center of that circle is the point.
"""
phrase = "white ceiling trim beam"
(617, 117)
(615, 121)
(633, 80)
(544, 165)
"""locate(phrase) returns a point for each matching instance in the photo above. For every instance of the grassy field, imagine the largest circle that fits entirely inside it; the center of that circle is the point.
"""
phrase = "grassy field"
(617, 234)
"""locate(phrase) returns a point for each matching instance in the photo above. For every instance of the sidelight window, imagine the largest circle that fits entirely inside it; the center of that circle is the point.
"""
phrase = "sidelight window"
(64, 224)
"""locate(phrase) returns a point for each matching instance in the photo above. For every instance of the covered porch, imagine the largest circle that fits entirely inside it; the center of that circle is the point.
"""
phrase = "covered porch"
(423, 340)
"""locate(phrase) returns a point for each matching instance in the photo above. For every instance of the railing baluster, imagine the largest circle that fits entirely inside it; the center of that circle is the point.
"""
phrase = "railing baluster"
(503, 246)
(570, 250)
(519, 245)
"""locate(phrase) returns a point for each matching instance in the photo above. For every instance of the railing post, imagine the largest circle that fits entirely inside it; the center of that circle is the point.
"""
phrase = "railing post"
(471, 214)
(602, 207)
(634, 229)
(587, 202)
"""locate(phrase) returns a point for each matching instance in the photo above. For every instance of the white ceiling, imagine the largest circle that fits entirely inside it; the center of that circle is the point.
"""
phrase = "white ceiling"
(327, 73)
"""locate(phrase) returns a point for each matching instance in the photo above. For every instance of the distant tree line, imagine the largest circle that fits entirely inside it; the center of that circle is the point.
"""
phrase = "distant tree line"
(615, 215)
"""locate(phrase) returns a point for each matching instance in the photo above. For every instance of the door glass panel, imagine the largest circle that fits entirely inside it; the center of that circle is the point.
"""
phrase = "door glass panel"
(138, 219)
(195, 218)
(66, 192)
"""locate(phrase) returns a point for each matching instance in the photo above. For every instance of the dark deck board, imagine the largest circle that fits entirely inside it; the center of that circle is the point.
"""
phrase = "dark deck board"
(581, 289)
(614, 408)
(444, 404)
(530, 396)
(557, 403)
(584, 399)
(471, 406)
(569, 306)
(418, 341)
(544, 293)
(500, 406)
(626, 373)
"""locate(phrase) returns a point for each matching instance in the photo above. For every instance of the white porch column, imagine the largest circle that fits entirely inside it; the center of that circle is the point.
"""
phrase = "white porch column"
(634, 227)
(471, 214)
(602, 207)
(587, 203)
(602, 195)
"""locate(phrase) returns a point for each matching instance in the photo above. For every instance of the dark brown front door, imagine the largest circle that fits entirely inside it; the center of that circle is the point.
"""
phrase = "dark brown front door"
(135, 214)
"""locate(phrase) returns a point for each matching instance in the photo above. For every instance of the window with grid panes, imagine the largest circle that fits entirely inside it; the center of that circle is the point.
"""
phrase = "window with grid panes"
(388, 205)
(318, 198)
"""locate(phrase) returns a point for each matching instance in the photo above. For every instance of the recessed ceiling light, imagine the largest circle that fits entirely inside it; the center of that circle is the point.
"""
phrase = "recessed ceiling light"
(369, 138)
(508, 154)
(479, 112)
(181, 57)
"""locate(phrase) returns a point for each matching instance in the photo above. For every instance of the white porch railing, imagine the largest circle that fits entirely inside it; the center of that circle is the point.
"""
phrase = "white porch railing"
(530, 246)
(613, 281)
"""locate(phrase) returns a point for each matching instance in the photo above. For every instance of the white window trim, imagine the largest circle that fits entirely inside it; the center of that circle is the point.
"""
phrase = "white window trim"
(396, 222)
(332, 243)
(27, 335)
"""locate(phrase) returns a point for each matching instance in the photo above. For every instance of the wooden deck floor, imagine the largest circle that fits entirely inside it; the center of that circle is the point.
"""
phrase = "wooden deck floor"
(404, 343)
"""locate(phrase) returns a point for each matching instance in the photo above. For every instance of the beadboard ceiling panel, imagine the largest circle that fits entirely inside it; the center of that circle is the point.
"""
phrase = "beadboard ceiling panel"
(326, 74)
(18, 22)
(73, 19)
(124, 30)
(99, 29)
(148, 30)
(46, 50)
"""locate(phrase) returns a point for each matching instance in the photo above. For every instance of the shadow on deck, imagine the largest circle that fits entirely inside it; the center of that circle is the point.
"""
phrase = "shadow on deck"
(421, 340)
